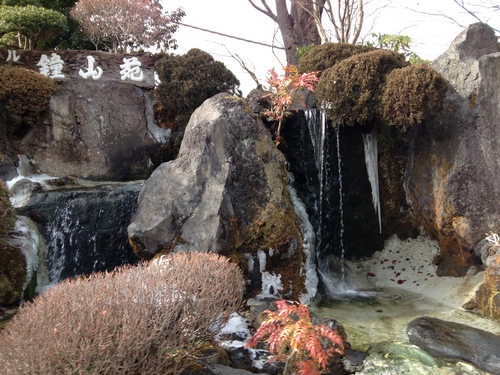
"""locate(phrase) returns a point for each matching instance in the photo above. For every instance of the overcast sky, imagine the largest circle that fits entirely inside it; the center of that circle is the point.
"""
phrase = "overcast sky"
(430, 31)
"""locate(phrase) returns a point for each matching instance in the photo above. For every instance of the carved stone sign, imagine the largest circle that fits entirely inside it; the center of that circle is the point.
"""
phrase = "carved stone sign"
(85, 65)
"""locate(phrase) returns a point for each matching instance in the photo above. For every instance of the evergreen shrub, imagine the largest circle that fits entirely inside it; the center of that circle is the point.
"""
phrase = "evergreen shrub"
(327, 55)
(145, 319)
(411, 95)
(350, 91)
(25, 96)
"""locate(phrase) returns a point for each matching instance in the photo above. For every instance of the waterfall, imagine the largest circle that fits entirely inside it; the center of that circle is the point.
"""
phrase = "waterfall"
(326, 234)
(309, 267)
(316, 123)
(371, 159)
(341, 206)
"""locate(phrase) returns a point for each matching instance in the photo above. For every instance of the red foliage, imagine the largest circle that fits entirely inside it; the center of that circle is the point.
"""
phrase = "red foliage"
(293, 338)
(285, 90)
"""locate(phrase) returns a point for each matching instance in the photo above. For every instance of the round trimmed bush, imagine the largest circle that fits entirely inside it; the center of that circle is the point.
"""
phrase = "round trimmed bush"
(411, 95)
(145, 319)
(350, 91)
(327, 55)
(25, 95)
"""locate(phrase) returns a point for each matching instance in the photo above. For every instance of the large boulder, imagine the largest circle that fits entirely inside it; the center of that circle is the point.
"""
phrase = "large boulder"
(227, 192)
(100, 124)
(441, 338)
(453, 175)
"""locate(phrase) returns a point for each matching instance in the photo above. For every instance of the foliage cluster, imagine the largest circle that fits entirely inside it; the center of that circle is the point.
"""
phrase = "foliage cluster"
(186, 81)
(31, 26)
(146, 319)
(327, 55)
(396, 43)
(411, 95)
(304, 347)
(25, 96)
(351, 89)
(285, 90)
(127, 25)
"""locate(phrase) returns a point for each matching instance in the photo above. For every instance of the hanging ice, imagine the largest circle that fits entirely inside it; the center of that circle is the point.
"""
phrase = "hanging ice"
(371, 160)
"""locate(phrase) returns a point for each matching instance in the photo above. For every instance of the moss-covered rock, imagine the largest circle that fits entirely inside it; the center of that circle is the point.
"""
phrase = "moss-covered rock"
(351, 90)
(411, 95)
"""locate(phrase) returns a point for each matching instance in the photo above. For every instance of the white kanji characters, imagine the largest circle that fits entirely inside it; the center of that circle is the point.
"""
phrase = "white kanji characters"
(131, 68)
(12, 55)
(95, 73)
(52, 67)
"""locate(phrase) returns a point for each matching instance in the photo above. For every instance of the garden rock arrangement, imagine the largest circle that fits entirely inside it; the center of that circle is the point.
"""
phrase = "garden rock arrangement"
(227, 192)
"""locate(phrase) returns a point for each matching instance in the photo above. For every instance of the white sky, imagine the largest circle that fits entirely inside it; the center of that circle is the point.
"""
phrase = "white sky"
(431, 34)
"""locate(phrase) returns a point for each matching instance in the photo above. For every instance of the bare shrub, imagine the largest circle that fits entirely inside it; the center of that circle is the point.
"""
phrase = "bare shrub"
(145, 319)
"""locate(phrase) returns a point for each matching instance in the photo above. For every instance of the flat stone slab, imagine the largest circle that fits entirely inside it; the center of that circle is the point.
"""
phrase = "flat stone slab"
(441, 338)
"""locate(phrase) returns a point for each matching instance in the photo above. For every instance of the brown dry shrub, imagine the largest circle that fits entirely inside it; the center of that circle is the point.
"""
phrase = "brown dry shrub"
(146, 319)
(351, 89)
(25, 95)
(327, 55)
(411, 95)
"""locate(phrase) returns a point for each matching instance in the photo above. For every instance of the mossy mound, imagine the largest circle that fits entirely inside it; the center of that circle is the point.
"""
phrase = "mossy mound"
(25, 95)
(351, 90)
(411, 95)
(327, 55)
(12, 262)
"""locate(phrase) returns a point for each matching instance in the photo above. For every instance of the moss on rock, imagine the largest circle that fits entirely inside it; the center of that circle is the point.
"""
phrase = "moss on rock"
(327, 55)
(411, 95)
(351, 90)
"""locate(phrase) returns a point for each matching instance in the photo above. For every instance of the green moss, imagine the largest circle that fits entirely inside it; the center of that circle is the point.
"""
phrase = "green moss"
(352, 88)
(411, 95)
(7, 214)
(327, 55)
(12, 274)
(25, 96)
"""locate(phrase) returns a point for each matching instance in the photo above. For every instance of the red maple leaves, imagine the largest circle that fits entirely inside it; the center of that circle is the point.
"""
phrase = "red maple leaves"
(293, 338)
(284, 90)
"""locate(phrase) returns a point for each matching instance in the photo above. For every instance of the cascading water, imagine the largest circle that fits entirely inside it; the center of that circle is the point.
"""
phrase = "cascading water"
(320, 134)
(329, 147)
(83, 228)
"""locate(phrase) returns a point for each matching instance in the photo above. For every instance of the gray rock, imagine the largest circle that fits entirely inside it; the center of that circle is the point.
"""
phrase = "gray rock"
(227, 193)
(454, 340)
(97, 129)
(452, 179)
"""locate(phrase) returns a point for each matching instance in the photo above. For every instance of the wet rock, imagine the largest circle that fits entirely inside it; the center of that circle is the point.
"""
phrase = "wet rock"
(457, 341)
(403, 358)
(84, 227)
(453, 173)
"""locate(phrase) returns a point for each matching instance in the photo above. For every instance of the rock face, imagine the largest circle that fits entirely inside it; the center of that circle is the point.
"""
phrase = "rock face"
(98, 127)
(227, 193)
(453, 340)
(453, 173)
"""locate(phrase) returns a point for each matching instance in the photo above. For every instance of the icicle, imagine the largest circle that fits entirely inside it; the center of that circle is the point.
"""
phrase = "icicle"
(371, 160)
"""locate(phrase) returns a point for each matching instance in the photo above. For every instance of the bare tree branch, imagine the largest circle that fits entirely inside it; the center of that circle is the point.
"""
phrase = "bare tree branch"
(229, 36)
(266, 10)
